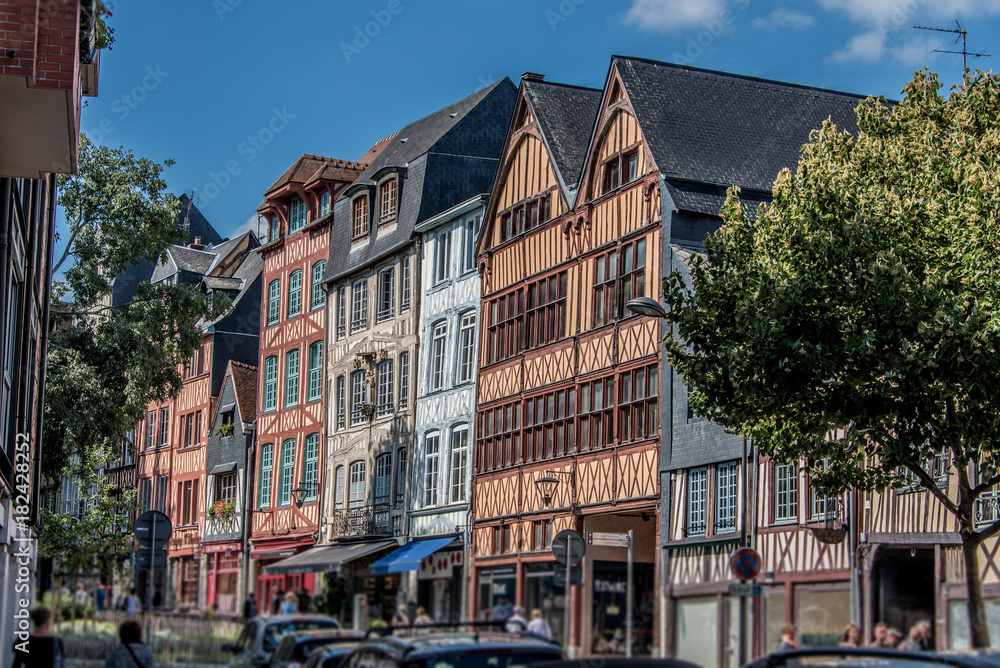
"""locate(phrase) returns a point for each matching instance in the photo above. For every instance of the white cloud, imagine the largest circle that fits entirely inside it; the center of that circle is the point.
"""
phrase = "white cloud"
(917, 51)
(784, 18)
(899, 13)
(249, 225)
(866, 48)
(669, 15)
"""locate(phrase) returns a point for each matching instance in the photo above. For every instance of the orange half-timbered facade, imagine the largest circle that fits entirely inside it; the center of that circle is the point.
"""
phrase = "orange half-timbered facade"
(298, 210)
(569, 378)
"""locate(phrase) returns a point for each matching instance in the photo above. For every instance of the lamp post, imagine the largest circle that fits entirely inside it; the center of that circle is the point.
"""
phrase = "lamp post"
(646, 306)
(546, 486)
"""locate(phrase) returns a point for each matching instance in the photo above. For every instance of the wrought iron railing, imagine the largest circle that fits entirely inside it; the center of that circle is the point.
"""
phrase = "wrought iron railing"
(987, 509)
(222, 525)
(362, 521)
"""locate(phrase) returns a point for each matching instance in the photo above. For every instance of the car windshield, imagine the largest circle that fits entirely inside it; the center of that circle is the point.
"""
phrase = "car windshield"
(491, 658)
(273, 633)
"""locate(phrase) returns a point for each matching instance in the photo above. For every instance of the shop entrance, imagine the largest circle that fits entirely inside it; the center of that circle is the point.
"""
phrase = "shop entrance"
(497, 590)
(903, 586)
(610, 603)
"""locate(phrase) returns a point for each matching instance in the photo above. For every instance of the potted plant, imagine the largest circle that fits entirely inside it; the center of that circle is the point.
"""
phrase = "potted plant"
(225, 430)
(222, 510)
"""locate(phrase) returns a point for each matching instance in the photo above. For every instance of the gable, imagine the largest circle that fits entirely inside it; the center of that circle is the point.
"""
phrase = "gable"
(617, 139)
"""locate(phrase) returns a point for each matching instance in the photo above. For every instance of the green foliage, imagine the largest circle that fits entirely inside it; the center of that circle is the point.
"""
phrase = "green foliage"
(865, 298)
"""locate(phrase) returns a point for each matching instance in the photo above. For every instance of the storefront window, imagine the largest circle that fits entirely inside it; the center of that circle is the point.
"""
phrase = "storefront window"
(823, 614)
(695, 630)
(497, 586)
(610, 578)
(540, 592)
(774, 618)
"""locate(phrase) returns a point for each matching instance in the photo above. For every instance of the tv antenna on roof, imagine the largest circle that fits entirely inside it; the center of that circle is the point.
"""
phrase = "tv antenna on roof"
(962, 33)
(192, 199)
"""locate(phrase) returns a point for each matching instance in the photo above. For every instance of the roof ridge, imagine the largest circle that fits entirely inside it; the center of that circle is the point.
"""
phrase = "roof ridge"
(563, 85)
(242, 364)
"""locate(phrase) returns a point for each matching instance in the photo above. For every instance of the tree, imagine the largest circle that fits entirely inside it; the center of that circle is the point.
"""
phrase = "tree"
(864, 298)
(112, 361)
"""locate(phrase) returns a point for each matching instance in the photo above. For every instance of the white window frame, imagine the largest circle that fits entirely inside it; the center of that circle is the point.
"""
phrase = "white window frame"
(338, 488)
(467, 347)
(404, 380)
(442, 257)
(469, 261)
(432, 468)
(357, 397)
(404, 284)
(342, 312)
(696, 505)
(384, 403)
(460, 463)
(786, 493)
(341, 402)
(386, 294)
(383, 479)
(356, 495)
(359, 305)
(439, 340)
(727, 495)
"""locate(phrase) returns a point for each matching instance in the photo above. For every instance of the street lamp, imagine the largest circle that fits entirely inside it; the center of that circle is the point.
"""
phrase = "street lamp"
(299, 493)
(546, 485)
(646, 306)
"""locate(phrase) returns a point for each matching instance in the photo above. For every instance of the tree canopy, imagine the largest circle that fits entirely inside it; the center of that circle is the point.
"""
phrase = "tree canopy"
(864, 298)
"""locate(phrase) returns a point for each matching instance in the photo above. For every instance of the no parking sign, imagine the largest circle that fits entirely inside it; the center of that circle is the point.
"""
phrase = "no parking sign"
(745, 563)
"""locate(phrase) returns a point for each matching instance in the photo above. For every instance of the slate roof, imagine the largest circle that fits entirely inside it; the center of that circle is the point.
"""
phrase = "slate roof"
(250, 267)
(566, 117)
(218, 283)
(448, 156)
(714, 127)
(189, 259)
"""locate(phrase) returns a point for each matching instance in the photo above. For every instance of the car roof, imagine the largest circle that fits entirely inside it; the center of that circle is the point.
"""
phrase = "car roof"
(336, 648)
(330, 632)
(285, 619)
(435, 642)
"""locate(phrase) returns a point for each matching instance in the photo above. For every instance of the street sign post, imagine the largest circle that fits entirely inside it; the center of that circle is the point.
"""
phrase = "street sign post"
(607, 539)
(745, 563)
(159, 560)
(152, 529)
(568, 547)
(575, 575)
(745, 589)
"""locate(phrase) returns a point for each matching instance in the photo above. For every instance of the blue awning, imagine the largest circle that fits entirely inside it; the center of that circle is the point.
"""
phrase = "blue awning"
(408, 557)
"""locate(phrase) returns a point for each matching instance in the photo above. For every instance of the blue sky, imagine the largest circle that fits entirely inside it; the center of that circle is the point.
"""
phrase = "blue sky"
(236, 90)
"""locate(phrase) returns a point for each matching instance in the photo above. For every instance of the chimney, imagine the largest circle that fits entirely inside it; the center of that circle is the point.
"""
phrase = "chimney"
(532, 76)
(196, 244)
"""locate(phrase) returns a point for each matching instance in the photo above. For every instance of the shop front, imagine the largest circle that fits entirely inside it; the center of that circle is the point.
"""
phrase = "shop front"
(497, 589)
(439, 565)
(223, 564)
(541, 593)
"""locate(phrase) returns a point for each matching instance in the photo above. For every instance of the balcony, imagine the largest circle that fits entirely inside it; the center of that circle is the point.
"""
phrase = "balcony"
(222, 526)
(362, 521)
(987, 510)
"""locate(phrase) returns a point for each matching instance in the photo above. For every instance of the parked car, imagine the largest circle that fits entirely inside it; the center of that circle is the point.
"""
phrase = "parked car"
(867, 657)
(295, 647)
(427, 648)
(260, 637)
(329, 656)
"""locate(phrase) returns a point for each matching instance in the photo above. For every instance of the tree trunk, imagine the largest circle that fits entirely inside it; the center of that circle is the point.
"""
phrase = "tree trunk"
(979, 632)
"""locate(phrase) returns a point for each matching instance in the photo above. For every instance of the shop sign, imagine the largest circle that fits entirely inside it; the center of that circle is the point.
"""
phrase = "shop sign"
(439, 565)
(603, 585)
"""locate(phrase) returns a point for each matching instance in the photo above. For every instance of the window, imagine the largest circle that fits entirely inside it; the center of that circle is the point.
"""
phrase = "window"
(630, 162)
(404, 379)
(162, 483)
(314, 390)
(442, 257)
(936, 467)
(432, 445)
(503, 333)
(548, 424)
(357, 492)
(292, 378)
(359, 218)
(471, 226)
(310, 462)
(498, 437)
(324, 203)
(341, 312)
(318, 297)
(387, 201)
(225, 487)
(404, 273)
(197, 427)
(187, 510)
(633, 273)
(359, 312)
(542, 535)
(612, 175)
(338, 489)
(270, 383)
(386, 294)
(145, 493)
(546, 320)
(786, 493)
(638, 412)
(151, 429)
(357, 397)
(266, 466)
(295, 293)
(296, 214)
(164, 426)
(987, 508)
(273, 302)
(597, 402)
(459, 463)
(383, 479)
(189, 430)
(467, 347)
(384, 396)
(341, 403)
(605, 303)
(725, 511)
(275, 230)
(287, 472)
(440, 333)
(504, 539)
(696, 502)
(400, 476)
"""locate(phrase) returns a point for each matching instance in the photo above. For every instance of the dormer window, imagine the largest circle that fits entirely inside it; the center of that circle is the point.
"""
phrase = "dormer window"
(324, 203)
(296, 214)
(387, 201)
(275, 229)
(359, 218)
(524, 216)
(621, 169)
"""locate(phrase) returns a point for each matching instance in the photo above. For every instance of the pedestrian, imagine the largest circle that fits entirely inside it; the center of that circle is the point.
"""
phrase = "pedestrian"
(279, 597)
(250, 607)
(926, 638)
(894, 637)
(157, 598)
(101, 598)
(291, 604)
(41, 649)
(501, 611)
(80, 595)
(851, 637)
(539, 626)
(132, 604)
(913, 641)
(401, 618)
(304, 601)
(788, 640)
(881, 636)
(516, 622)
(423, 619)
(131, 653)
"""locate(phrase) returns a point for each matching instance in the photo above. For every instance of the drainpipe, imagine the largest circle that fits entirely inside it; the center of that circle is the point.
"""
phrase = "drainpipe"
(247, 513)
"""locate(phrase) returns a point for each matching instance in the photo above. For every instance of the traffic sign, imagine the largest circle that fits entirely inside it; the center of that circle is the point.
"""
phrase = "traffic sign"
(575, 576)
(159, 559)
(577, 548)
(746, 563)
(745, 589)
(607, 539)
(152, 527)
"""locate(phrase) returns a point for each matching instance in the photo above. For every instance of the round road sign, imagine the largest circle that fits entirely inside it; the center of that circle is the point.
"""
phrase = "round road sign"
(746, 563)
(570, 540)
(152, 527)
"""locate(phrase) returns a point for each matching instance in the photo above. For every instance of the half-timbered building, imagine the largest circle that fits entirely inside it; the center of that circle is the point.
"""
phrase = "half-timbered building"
(298, 211)
(230, 439)
(375, 289)
(568, 385)
(171, 467)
